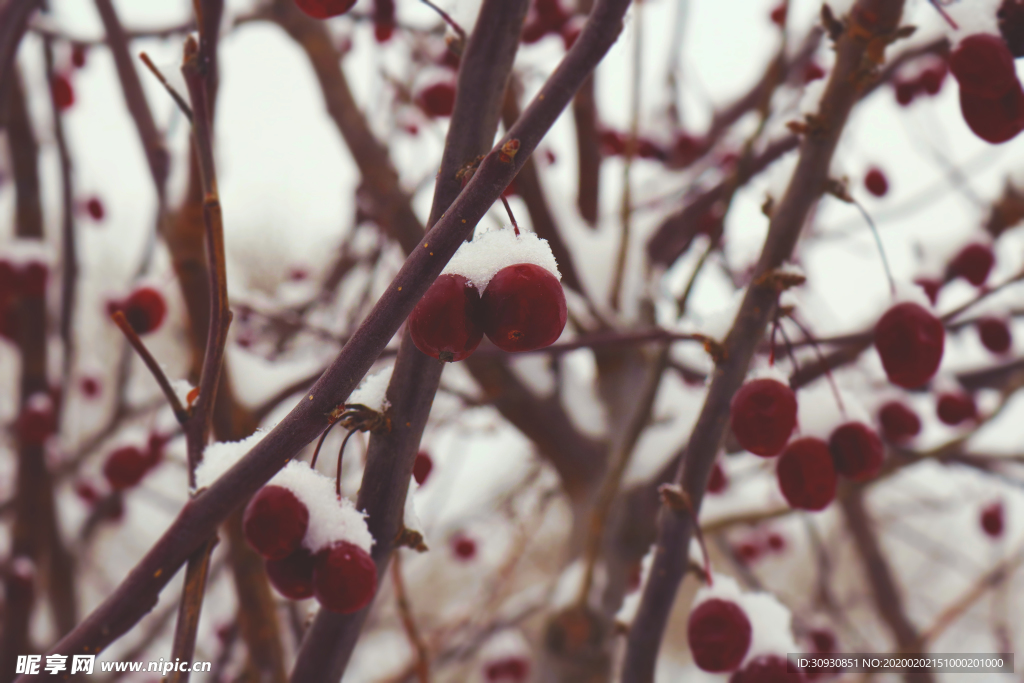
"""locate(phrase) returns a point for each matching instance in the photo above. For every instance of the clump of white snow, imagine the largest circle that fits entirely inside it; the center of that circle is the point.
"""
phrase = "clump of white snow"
(631, 603)
(770, 620)
(411, 520)
(331, 518)
(220, 457)
(372, 392)
(480, 260)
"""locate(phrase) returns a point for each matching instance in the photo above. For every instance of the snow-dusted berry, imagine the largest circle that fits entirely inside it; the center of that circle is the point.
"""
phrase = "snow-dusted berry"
(275, 522)
(344, 578)
(524, 308)
(447, 322)
(719, 634)
(292, 576)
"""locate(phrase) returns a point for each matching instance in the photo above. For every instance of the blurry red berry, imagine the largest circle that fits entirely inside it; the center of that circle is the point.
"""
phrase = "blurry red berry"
(806, 474)
(125, 467)
(648, 149)
(995, 334)
(748, 551)
(778, 15)
(507, 669)
(292, 576)
(718, 633)
(899, 423)
(718, 481)
(768, 669)
(776, 542)
(275, 522)
(933, 77)
(973, 263)
(421, 467)
(344, 578)
(523, 308)
(437, 99)
(857, 451)
(1011, 25)
(824, 641)
(144, 308)
(324, 9)
(90, 387)
(533, 30)
(685, 150)
(464, 547)
(447, 323)
(992, 519)
(876, 182)
(613, 143)
(87, 492)
(37, 420)
(983, 66)
(931, 287)
(954, 408)
(63, 93)
(78, 53)
(383, 20)
(95, 208)
(763, 415)
(906, 91)
(994, 120)
(813, 72)
(910, 342)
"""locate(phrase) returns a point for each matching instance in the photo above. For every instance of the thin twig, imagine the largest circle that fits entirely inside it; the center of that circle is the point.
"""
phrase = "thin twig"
(154, 367)
(175, 95)
(409, 622)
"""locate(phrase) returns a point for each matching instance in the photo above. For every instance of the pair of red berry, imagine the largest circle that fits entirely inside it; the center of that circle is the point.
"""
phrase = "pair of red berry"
(991, 96)
(145, 309)
(522, 309)
(342, 576)
(928, 82)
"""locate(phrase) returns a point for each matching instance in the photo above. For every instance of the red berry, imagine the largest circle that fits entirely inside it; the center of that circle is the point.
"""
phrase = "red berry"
(933, 78)
(344, 578)
(90, 387)
(899, 423)
(63, 93)
(994, 120)
(37, 420)
(806, 474)
(447, 323)
(438, 99)
(533, 30)
(144, 308)
(324, 9)
(857, 451)
(464, 547)
(768, 669)
(983, 66)
(125, 467)
(763, 415)
(512, 669)
(648, 149)
(824, 641)
(685, 150)
(973, 263)
(910, 341)
(1011, 25)
(995, 334)
(813, 72)
(992, 519)
(613, 143)
(718, 632)
(876, 182)
(776, 542)
(956, 408)
(748, 551)
(523, 308)
(292, 576)
(778, 15)
(95, 208)
(931, 287)
(422, 467)
(275, 522)
(78, 53)
(718, 481)
(383, 20)
(906, 91)
(87, 492)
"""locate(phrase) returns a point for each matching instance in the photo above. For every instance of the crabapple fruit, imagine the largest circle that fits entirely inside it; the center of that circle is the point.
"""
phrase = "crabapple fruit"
(992, 519)
(973, 263)
(910, 341)
(763, 415)
(955, 408)
(447, 322)
(275, 522)
(876, 182)
(719, 634)
(899, 423)
(344, 578)
(324, 9)
(806, 474)
(523, 308)
(857, 451)
(995, 334)
(292, 576)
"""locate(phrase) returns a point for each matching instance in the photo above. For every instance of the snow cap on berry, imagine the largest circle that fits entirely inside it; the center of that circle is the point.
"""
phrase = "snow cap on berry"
(220, 457)
(373, 389)
(480, 260)
(330, 519)
(771, 625)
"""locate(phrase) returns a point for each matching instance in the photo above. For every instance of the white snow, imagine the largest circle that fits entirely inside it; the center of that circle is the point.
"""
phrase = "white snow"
(480, 260)
(631, 603)
(219, 457)
(771, 625)
(372, 392)
(410, 519)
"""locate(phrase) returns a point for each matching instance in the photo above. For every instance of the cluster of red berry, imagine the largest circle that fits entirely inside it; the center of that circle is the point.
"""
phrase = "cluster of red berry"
(928, 81)
(991, 96)
(17, 280)
(145, 309)
(340, 573)
(126, 466)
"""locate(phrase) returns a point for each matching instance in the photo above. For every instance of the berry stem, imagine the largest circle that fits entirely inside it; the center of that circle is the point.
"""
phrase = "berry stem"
(821, 359)
(341, 452)
(133, 338)
(945, 15)
(448, 20)
(319, 444)
(511, 217)
(878, 243)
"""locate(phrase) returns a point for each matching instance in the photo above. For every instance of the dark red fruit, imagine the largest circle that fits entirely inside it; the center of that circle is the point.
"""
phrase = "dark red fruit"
(383, 20)
(992, 519)
(899, 423)
(763, 415)
(719, 635)
(344, 578)
(933, 78)
(275, 522)
(1011, 25)
(36, 421)
(78, 53)
(324, 9)
(806, 474)
(955, 408)
(823, 640)
(63, 93)
(983, 66)
(464, 547)
(910, 341)
(422, 467)
(718, 482)
(995, 334)
(994, 120)
(95, 208)
(292, 576)
(90, 387)
(126, 467)
(768, 669)
(524, 308)
(144, 308)
(813, 72)
(447, 323)
(778, 15)
(748, 551)
(438, 99)
(512, 669)
(876, 182)
(931, 287)
(906, 91)
(685, 150)
(973, 263)
(613, 143)
(87, 492)
(776, 542)
(857, 451)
